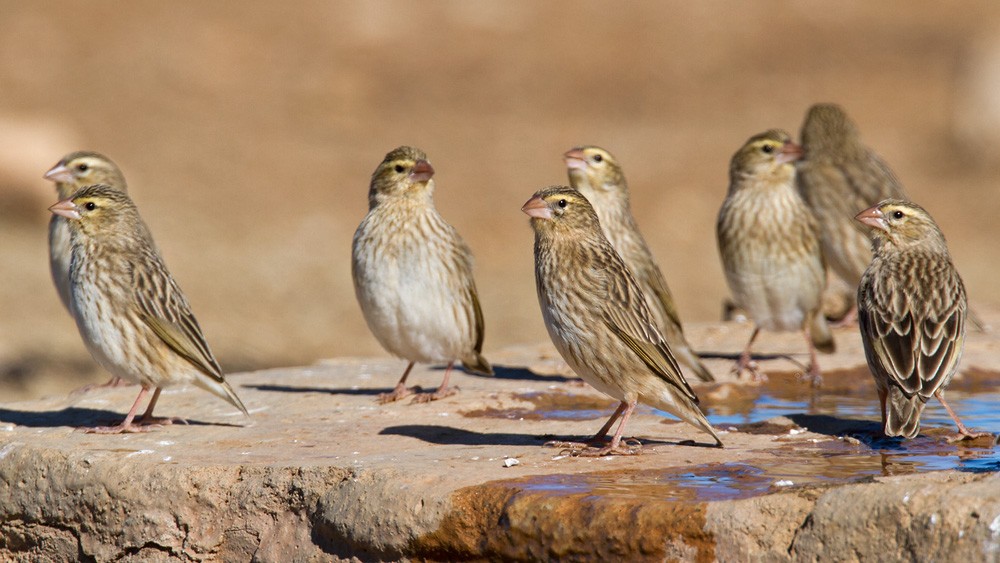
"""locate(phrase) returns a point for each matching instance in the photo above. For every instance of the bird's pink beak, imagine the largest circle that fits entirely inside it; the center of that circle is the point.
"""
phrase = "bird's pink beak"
(873, 217)
(65, 208)
(575, 159)
(536, 207)
(422, 171)
(790, 152)
(59, 173)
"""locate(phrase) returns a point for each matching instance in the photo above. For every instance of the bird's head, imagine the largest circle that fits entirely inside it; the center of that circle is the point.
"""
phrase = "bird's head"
(405, 170)
(593, 169)
(99, 211)
(768, 154)
(85, 168)
(901, 223)
(560, 209)
(827, 129)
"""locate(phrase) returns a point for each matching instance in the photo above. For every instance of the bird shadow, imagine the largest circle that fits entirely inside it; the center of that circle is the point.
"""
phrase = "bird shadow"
(326, 390)
(522, 374)
(80, 418)
(447, 435)
(868, 432)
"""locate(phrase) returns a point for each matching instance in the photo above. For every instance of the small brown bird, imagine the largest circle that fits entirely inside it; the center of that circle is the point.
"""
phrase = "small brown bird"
(413, 275)
(72, 172)
(769, 245)
(598, 318)
(131, 313)
(596, 174)
(912, 311)
(837, 177)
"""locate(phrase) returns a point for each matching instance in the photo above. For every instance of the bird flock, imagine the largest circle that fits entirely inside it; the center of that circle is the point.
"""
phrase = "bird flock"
(792, 213)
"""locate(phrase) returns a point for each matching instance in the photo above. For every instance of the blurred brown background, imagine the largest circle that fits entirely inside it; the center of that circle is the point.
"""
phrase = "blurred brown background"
(248, 132)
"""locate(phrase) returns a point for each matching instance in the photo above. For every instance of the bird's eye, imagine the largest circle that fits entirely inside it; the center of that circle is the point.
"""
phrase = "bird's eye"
(897, 214)
(399, 168)
(767, 148)
(90, 206)
(82, 167)
(598, 158)
(562, 203)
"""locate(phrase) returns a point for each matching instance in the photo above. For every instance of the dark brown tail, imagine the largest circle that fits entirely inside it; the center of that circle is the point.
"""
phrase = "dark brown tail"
(902, 413)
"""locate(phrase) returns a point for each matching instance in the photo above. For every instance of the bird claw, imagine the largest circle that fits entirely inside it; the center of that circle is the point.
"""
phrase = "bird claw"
(756, 375)
(134, 427)
(814, 377)
(971, 437)
(439, 394)
(399, 392)
(628, 446)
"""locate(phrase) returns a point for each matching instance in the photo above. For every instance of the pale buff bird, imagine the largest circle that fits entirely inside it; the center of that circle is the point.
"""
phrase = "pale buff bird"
(838, 177)
(72, 172)
(596, 174)
(413, 275)
(131, 313)
(912, 312)
(598, 318)
(769, 245)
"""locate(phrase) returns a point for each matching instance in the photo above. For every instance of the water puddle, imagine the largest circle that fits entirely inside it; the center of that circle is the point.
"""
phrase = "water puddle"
(845, 409)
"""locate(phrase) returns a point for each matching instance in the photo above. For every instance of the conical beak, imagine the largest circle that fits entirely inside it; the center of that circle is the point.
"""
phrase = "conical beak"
(59, 173)
(873, 217)
(65, 208)
(790, 152)
(575, 159)
(422, 171)
(536, 207)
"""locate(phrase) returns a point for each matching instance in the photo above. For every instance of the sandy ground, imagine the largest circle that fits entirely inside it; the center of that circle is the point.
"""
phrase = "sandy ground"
(248, 132)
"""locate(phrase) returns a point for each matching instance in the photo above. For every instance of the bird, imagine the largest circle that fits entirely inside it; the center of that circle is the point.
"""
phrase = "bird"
(598, 319)
(838, 176)
(132, 315)
(74, 171)
(769, 244)
(596, 174)
(912, 311)
(412, 275)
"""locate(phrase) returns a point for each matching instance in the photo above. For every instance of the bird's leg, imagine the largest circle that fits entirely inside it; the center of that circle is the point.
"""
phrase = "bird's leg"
(126, 425)
(746, 363)
(442, 391)
(147, 418)
(963, 432)
(597, 439)
(812, 374)
(615, 447)
(399, 391)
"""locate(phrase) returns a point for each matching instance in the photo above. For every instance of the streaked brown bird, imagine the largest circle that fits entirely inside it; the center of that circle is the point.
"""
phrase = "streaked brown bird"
(838, 177)
(598, 318)
(912, 312)
(596, 174)
(72, 172)
(769, 245)
(131, 313)
(413, 275)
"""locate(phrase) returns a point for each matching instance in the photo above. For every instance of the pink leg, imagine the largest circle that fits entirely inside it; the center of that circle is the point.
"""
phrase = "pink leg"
(813, 373)
(746, 363)
(442, 391)
(963, 432)
(126, 425)
(400, 391)
(148, 419)
(615, 447)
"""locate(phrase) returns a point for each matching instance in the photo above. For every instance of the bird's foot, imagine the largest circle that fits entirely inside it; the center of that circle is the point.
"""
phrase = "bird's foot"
(399, 392)
(439, 394)
(628, 446)
(813, 376)
(968, 437)
(756, 375)
(161, 420)
(131, 428)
